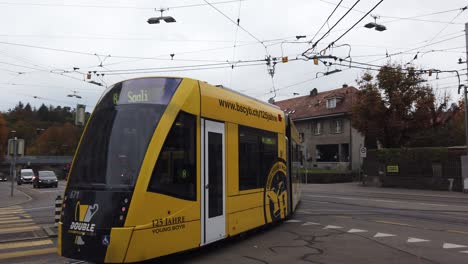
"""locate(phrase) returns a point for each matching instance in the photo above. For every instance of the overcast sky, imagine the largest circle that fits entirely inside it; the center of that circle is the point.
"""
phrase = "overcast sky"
(41, 42)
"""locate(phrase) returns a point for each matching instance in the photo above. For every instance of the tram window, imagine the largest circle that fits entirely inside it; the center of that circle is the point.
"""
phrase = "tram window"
(258, 150)
(174, 173)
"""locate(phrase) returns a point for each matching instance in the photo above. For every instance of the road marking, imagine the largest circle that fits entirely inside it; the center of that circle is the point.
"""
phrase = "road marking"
(383, 235)
(465, 252)
(293, 221)
(393, 223)
(19, 229)
(343, 216)
(457, 232)
(332, 227)
(310, 223)
(25, 253)
(15, 221)
(416, 240)
(449, 246)
(385, 201)
(38, 208)
(26, 244)
(9, 218)
(12, 207)
(433, 204)
(356, 231)
(11, 212)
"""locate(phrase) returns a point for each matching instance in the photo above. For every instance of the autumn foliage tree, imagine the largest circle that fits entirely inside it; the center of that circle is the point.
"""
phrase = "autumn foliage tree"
(3, 137)
(57, 140)
(47, 130)
(396, 106)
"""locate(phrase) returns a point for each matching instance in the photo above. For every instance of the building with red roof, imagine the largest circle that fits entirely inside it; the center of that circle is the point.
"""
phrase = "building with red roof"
(324, 123)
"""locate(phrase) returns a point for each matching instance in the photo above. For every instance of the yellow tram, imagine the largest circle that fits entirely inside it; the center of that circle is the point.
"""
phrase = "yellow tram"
(171, 164)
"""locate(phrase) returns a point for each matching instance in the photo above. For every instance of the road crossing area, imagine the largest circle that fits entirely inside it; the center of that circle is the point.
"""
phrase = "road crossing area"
(21, 237)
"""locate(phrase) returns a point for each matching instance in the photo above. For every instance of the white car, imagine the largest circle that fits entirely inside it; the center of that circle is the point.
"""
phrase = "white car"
(25, 176)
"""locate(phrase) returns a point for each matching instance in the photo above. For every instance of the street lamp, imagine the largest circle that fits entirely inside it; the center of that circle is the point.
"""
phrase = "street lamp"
(156, 20)
(374, 24)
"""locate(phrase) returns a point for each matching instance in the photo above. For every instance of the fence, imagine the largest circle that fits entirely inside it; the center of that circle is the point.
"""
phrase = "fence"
(417, 168)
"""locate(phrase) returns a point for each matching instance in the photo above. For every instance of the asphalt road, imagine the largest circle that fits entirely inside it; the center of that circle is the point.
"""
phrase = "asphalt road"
(335, 223)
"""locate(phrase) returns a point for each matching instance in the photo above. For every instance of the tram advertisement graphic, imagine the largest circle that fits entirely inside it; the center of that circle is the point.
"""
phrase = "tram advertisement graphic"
(276, 193)
(82, 224)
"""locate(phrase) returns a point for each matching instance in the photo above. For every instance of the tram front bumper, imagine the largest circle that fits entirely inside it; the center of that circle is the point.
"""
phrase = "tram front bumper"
(119, 241)
(116, 244)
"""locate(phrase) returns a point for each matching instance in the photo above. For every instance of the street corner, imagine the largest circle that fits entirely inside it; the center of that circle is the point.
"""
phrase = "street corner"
(6, 199)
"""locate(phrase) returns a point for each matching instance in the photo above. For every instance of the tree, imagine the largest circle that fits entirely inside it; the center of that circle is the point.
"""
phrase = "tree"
(58, 140)
(394, 107)
(3, 137)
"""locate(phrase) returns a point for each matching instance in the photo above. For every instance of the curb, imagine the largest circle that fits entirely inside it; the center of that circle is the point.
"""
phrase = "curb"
(50, 231)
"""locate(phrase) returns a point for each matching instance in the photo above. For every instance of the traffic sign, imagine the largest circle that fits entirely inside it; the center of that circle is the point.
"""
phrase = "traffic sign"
(363, 152)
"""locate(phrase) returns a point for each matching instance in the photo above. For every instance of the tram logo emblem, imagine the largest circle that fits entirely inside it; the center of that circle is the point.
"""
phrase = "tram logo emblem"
(276, 193)
(82, 224)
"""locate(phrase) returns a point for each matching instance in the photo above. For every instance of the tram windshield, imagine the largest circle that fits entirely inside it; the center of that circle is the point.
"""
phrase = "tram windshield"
(118, 133)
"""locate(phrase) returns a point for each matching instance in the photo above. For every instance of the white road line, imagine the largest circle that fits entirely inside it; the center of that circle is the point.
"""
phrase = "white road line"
(38, 208)
(356, 231)
(310, 223)
(384, 201)
(383, 235)
(465, 252)
(416, 240)
(450, 245)
(293, 221)
(431, 204)
(332, 227)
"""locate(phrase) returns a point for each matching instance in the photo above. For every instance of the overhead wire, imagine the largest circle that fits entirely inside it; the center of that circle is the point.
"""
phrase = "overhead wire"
(326, 21)
(444, 28)
(413, 18)
(110, 6)
(185, 69)
(234, 22)
(375, 6)
(235, 42)
(330, 29)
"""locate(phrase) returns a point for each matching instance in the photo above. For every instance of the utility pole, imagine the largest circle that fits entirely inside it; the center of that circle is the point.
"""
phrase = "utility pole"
(13, 177)
(464, 91)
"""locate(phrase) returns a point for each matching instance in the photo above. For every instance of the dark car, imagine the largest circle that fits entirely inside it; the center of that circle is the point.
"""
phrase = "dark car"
(3, 177)
(45, 178)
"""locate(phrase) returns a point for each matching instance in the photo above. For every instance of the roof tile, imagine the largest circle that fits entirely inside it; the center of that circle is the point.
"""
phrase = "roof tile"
(315, 106)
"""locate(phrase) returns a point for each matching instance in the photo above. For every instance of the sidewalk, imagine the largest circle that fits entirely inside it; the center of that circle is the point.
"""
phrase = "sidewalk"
(357, 187)
(6, 200)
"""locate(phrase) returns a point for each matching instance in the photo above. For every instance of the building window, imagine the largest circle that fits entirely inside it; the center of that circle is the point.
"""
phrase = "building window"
(175, 171)
(258, 151)
(331, 103)
(317, 128)
(301, 137)
(336, 126)
(327, 153)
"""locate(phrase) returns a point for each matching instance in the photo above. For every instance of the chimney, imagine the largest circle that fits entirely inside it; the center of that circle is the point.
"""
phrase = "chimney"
(313, 92)
(345, 85)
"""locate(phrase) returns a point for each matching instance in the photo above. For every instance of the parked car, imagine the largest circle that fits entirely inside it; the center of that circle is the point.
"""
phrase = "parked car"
(3, 176)
(45, 178)
(25, 176)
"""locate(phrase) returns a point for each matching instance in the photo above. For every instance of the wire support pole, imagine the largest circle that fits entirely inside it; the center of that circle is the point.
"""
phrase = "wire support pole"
(464, 91)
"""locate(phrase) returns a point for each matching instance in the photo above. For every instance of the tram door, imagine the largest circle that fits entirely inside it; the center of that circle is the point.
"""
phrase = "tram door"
(213, 191)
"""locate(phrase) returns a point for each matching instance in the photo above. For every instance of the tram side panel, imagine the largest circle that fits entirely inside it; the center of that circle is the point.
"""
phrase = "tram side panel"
(250, 204)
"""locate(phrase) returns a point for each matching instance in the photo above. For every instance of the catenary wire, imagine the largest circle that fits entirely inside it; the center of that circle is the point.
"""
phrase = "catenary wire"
(326, 21)
(356, 23)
